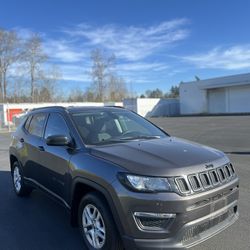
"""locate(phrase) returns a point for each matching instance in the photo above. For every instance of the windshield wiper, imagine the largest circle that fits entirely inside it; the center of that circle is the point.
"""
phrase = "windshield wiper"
(147, 137)
(121, 140)
(109, 141)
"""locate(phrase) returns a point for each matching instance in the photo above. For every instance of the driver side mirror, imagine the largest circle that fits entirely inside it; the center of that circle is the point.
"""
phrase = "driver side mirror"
(58, 140)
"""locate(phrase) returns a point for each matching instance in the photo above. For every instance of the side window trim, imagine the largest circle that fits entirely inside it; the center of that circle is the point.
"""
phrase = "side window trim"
(45, 125)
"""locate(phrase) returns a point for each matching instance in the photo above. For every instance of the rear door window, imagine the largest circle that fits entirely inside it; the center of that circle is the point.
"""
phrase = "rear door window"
(37, 124)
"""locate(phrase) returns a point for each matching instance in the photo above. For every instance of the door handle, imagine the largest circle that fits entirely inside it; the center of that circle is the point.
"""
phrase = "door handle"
(21, 140)
(41, 148)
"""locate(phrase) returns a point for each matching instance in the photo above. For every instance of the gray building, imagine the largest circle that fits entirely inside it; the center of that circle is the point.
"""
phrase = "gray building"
(229, 94)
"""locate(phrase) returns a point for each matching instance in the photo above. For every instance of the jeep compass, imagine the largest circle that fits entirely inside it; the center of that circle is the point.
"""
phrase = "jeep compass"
(127, 183)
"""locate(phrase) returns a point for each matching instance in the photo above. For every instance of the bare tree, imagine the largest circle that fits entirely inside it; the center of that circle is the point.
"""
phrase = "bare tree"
(101, 68)
(76, 95)
(34, 57)
(22, 69)
(10, 52)
(48, 83)
(17, 88)
(117, 89)
(106, 84)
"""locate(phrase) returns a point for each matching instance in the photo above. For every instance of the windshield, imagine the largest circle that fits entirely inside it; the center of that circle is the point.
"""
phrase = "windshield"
(102, 127)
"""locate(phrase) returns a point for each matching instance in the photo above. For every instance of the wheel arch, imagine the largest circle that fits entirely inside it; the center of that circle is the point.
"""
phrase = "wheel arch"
(13, 159)
(81, 187)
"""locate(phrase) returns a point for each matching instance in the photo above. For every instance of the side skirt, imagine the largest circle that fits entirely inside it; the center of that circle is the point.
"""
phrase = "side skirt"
(36, 184)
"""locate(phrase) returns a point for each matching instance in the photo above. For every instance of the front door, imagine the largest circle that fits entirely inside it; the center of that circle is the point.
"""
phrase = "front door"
(55, 159)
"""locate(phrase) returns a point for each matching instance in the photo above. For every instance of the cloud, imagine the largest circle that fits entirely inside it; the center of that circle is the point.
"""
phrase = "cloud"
(75, 73)
(24, 33)
(139, 49)
(64, 50)
(142, 66)
(132, 42)
(231, 58)
(61, 50)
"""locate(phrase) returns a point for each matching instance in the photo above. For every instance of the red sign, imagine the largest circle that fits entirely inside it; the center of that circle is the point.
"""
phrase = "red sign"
(12, 112)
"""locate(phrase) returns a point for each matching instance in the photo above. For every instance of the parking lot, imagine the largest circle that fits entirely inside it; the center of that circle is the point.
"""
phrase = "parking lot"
(38, 223)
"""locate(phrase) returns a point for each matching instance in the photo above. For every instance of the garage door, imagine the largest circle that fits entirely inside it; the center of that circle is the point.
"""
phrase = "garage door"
(239, 99)
(217, 101)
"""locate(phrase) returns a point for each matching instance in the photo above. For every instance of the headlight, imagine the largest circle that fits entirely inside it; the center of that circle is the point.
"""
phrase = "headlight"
(145, 183)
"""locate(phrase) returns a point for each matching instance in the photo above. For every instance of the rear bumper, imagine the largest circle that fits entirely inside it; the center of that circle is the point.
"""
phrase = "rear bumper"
(192, 233)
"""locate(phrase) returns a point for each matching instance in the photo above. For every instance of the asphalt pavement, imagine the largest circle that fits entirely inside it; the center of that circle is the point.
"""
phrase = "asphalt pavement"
(39, 223)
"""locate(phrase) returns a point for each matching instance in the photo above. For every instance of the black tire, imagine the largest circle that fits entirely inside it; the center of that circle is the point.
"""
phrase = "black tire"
(112, 238)
(23, 189)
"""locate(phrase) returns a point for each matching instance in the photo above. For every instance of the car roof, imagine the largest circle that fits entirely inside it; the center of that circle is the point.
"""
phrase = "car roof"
(75, 109)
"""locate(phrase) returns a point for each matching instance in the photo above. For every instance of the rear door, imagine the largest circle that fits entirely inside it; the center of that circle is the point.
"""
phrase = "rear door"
(31, 141)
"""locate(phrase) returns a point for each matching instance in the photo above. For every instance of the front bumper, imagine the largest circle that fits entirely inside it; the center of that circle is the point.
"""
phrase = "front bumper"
(194, 232)
(198, 217)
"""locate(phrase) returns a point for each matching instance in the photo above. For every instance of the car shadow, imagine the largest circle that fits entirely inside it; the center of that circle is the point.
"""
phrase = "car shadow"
(35, 222)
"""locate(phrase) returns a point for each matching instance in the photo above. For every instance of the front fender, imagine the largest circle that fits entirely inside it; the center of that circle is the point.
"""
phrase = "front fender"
(107, 194)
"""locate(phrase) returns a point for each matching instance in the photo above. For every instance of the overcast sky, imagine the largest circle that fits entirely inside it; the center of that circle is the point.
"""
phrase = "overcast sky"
(157, 43)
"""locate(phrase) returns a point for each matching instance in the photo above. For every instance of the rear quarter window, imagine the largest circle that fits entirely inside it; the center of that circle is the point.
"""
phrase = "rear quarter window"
(27, 123)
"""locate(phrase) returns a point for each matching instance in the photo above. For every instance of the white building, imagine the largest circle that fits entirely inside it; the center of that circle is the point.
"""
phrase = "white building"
(153, 107)
(142, 106)
(229, 94)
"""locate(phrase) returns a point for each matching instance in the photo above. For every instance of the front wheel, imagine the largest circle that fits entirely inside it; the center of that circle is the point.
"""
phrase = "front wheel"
(96, 224)
(21, 189)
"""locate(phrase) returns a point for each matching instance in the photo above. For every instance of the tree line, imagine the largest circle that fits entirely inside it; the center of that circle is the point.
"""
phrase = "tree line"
(157, 93)
(23, 75)
(27, 75)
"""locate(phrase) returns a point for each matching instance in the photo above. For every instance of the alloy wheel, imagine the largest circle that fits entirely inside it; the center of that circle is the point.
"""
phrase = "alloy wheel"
(93, 226)
(17, 179)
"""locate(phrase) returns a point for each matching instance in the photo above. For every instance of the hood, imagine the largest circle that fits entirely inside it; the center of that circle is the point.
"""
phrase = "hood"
(159, 157)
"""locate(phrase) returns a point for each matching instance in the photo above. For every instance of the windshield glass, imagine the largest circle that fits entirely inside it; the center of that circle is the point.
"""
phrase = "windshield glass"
(102, 127)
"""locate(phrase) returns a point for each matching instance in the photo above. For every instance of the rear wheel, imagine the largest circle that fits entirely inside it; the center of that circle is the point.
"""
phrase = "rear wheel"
(21, 189)
(96, 224)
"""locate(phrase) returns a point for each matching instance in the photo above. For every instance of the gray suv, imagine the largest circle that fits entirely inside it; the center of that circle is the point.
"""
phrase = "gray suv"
(127, 183)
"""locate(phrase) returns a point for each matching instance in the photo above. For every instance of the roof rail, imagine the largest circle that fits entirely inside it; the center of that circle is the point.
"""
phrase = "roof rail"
(113, 106)
(47, 107)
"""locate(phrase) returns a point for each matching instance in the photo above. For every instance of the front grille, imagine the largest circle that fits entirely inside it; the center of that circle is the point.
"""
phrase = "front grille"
(205, 180)
(221, 174)
(214, 177)
(231, 169)
(195, 182)
(227, 171)
(182, 185)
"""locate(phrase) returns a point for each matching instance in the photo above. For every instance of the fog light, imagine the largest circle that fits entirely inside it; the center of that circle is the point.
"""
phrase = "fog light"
(153, 221)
